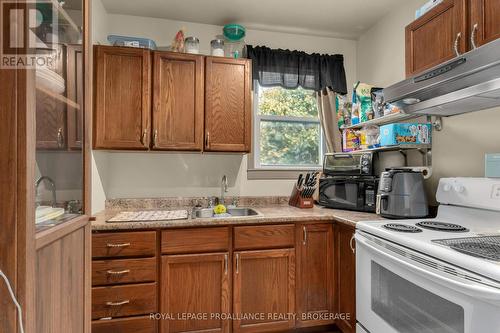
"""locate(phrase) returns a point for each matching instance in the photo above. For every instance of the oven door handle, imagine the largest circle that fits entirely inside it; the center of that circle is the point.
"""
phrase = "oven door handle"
(473, 290)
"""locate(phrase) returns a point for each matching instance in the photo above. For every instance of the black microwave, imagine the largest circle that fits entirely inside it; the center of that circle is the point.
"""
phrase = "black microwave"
(352, 193)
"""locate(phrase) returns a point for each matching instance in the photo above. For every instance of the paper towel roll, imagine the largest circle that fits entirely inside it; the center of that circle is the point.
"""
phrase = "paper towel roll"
(426, 171)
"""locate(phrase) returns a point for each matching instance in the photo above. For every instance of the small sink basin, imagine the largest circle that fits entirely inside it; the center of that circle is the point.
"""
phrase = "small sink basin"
(242, 212)
(231, 212)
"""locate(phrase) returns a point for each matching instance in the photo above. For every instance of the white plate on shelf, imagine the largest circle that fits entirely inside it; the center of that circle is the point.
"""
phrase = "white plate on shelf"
(45, 213)
(50, 80)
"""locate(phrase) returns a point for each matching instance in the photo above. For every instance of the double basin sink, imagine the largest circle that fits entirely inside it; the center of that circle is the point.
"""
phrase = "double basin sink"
(231, 212)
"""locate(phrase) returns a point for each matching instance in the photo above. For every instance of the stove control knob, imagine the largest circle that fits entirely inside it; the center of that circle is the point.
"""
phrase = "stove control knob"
(446, 187)
(459, 188)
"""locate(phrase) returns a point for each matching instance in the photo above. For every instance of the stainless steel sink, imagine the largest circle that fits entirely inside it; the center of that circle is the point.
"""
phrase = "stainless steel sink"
(233, 212)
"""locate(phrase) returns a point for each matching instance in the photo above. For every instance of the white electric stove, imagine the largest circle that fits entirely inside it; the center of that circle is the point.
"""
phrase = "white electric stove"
(433, 275)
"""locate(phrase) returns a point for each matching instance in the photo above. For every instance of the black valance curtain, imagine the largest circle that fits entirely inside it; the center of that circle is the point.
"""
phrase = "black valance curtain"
(290, 69)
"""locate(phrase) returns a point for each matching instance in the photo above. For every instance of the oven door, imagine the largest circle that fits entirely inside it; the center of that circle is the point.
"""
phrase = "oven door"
(341, 193)
(397, 290)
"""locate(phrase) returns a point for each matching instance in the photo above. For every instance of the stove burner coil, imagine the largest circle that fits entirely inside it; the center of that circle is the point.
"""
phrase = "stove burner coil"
(401, 227)
(441, 226)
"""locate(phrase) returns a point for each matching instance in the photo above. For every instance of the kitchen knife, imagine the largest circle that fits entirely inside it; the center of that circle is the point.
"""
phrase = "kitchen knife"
(299, 181)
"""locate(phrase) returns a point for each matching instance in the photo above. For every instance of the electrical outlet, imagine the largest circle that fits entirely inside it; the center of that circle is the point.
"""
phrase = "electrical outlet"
(495, 192)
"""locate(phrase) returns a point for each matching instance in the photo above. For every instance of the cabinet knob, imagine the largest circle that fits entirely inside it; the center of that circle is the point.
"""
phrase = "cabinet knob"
(237, 263)
(304, 235)
(60, 137)
(473, 36)
(456, 43)
(351, 244)
(155, 137)
(225, 263)
(207, 140)
(144, 137)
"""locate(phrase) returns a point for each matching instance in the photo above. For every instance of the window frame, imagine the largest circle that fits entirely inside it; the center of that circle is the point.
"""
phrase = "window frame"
(255, 169)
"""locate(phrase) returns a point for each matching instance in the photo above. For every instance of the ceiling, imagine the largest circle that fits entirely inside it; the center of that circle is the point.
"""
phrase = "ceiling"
(330, 18)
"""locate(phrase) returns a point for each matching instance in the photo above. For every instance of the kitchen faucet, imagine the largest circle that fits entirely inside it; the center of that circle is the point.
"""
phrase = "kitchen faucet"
(223, 188)
(52, 187)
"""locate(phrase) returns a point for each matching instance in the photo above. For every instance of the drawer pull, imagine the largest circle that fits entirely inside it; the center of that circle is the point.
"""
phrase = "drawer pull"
(125, 271)
(118, 303)
(118, 245)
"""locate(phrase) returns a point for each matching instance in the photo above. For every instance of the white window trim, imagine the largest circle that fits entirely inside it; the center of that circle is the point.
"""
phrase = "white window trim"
(255, 170)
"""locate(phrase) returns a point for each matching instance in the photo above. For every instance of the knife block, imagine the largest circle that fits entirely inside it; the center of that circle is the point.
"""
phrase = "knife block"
(297, 200)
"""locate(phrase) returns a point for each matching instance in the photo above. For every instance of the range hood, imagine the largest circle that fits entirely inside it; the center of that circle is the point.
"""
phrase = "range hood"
(469, 82)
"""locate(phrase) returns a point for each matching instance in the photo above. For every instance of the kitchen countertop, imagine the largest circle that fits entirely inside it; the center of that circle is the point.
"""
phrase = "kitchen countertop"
(268, 214)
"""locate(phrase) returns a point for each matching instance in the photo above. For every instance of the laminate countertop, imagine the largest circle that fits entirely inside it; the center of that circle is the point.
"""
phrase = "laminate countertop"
(267, 215)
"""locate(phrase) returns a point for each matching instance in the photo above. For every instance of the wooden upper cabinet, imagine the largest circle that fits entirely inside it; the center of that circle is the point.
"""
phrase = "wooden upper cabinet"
(227, 105)
(177, 101)
(346, 281)
(264, 282)
(484, 20)
(431, 39)
(122, 98)
(195, 284)
(315, 274)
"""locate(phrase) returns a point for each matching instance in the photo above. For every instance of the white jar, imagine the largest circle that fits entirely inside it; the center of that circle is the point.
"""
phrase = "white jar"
(217, 47)
(192, 45)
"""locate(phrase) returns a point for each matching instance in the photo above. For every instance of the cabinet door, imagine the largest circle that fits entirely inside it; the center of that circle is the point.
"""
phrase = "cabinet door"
(227, 105)
(431, 39)
(346, 261)
(51, 104)
(264, 283)
(195, 284)
(177, 101)
(484, 20)
(315, 274)
(50, 121)
(122, 98)
(75, 95)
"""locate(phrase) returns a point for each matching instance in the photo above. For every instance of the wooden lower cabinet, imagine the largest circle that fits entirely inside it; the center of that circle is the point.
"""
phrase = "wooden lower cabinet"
(62, 293)
(199, 285)
(346, 278)
(315, 275)
(264, 289)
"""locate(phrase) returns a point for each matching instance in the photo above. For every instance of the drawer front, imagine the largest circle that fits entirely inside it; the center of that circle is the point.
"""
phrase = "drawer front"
(121, 301)
(125, 325)
(117, 271)
(195, 240)
(124, 244)
(264, 237)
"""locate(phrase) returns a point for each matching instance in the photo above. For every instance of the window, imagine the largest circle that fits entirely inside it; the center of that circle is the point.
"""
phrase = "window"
(287, 131)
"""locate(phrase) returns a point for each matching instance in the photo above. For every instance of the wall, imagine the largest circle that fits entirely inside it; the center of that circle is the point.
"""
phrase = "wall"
(458, 150)
(137, 174)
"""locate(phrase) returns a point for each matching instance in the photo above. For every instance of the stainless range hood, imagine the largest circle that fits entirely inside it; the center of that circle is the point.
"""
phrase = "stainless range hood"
(470, 82)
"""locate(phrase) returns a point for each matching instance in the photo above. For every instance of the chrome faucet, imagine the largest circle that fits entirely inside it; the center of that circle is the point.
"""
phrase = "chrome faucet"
(52, 187)
(223, 188)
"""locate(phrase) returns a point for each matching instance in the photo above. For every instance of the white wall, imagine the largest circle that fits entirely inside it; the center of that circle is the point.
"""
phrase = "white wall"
(137, 174)
(458, 150)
